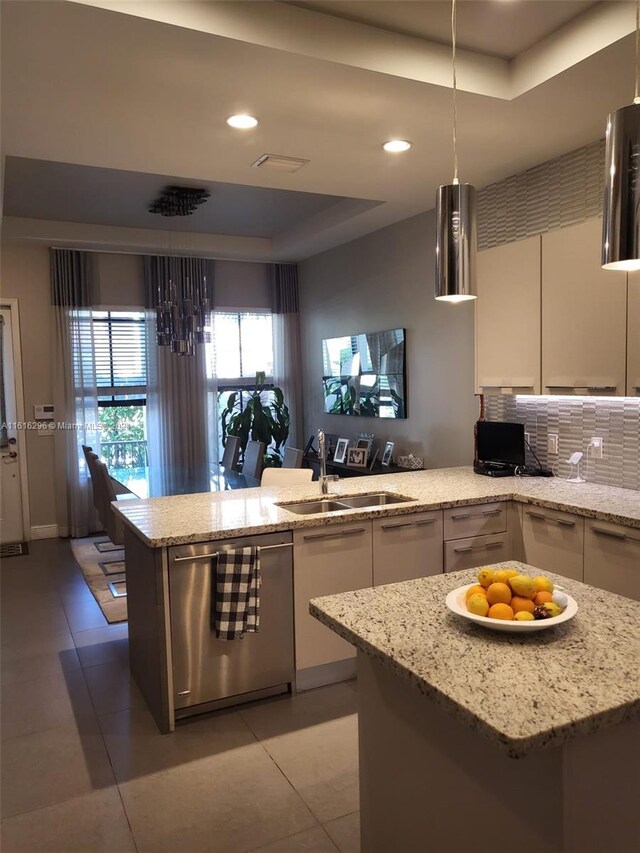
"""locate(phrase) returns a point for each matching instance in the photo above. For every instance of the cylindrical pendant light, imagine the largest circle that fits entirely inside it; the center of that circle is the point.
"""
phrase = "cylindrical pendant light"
(455, 242)
(621, 220)
(455, 219)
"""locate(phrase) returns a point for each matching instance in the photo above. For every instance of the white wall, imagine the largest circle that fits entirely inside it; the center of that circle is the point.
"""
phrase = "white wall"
(384, 281)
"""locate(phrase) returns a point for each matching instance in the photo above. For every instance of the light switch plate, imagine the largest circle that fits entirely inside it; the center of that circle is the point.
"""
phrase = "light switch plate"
(552, 443)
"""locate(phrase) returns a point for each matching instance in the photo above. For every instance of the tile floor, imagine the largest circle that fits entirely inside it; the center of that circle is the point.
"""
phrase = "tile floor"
(85, 769)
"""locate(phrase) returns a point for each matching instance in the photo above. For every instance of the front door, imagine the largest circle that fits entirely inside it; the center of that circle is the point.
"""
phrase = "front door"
(11, 528)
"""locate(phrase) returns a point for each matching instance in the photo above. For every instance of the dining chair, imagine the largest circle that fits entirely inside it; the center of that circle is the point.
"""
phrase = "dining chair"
(253, 461)
(292, 458)
(286, 476)
(229, 459)
(106, 495)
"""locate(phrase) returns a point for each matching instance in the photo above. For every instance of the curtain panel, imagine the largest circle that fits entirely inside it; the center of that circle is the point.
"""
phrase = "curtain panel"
(283, 282)
(181, 423)
(75, 391)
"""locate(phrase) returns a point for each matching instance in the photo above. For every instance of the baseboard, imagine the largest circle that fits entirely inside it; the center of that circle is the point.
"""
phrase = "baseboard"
(328, 673)
(45, 531)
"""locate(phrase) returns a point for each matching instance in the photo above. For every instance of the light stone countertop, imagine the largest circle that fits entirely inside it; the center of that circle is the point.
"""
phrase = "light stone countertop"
(208, 516)
(524, 692)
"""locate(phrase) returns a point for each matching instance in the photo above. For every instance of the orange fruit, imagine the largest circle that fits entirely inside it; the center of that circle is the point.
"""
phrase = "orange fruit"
(500, 611)
(498, 593)
(475, 590)
(519, 604)
(542, 597)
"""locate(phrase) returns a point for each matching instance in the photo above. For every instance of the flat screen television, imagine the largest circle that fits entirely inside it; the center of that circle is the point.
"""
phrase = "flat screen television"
(501, 443)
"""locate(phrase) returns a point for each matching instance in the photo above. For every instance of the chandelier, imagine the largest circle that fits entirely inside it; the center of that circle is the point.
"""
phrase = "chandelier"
(183, 302)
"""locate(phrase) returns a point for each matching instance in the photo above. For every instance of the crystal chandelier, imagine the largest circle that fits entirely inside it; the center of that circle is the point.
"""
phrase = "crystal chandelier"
(183, 303)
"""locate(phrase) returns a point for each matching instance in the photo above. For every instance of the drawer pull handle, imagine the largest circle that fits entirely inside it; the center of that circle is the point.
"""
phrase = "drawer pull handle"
(462, 515)
(397, 526)
(213, 554)
(342, 533)
(492, 512)
(425, 521)
(478, 547)
(615, 535)
(561, 521)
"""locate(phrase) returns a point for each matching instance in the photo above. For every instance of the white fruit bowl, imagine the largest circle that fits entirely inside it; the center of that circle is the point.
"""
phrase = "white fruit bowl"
(456, 604)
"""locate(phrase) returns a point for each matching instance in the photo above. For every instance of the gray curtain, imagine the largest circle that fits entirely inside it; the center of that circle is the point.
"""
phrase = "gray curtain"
(283, 281)
(180, 392)
(75, 392)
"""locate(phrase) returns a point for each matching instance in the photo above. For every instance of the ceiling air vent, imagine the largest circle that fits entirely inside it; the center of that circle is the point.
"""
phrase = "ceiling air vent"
(278, 163)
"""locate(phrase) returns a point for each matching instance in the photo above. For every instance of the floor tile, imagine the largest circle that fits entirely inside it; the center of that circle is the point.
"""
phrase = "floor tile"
(103, 645)
(53, 663)
(52, 766)
(312, 841)
(39, 620)
(238, 797)
(84, 615)
(44, 703)
(35, 644)
(136, 747)
(112, 688)
(345, 832)
(94, 823)
(313, 738)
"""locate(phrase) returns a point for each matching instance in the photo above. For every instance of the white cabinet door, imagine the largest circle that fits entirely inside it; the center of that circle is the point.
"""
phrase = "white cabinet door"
(407, 547)
(327, 561)
(612, 558)
(508, 318)
(584, 310)
(633, 336)
(553, 541)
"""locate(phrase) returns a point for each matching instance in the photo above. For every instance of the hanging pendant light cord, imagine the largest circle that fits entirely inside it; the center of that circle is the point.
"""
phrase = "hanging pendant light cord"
(455, 93)
(636, 99)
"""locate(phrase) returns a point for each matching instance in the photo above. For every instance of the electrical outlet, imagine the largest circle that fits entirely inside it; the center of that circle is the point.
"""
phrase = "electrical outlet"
(552, 443)
(597, 445)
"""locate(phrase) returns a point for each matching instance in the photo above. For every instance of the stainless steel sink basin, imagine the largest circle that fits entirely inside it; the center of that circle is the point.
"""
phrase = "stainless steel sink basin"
(345, 502)
(310, 507)
(380, 499)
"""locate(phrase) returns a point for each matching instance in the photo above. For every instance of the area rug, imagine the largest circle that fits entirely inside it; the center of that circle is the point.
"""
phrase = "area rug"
(105, 578)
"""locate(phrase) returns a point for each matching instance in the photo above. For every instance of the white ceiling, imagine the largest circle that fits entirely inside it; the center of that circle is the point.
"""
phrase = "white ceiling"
(147, 89)
(498, 28)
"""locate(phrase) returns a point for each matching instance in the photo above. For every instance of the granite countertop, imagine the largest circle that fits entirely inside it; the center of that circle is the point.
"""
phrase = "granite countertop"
(208, 516)
(524, 692)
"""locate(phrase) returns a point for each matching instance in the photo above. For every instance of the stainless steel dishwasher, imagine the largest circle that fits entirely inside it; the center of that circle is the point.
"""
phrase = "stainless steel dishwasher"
(210, 673)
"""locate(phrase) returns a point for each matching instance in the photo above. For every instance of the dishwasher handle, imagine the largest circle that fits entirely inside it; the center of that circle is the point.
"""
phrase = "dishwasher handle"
(215, 554)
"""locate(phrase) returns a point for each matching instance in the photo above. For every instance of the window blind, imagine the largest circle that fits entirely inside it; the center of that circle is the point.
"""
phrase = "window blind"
(120, 353)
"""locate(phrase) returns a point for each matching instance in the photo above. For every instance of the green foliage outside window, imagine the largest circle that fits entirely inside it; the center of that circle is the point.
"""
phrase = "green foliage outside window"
(122, 423)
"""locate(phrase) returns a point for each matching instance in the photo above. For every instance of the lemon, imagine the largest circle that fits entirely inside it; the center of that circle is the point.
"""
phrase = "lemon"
(524, 616)
(552, 609)
(523, 585)
(543, 584)
(503, 575)
(485, 577)
(478, 604)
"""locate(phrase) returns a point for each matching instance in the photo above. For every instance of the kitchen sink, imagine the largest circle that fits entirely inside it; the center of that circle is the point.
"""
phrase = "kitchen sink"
(380, 499)
(342, 502)
(310, 507)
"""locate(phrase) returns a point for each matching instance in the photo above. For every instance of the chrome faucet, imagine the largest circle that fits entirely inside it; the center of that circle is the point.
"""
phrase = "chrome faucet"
(324, 478)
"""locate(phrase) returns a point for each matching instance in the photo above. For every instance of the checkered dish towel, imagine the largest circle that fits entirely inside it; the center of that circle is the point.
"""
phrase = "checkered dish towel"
(237, 601)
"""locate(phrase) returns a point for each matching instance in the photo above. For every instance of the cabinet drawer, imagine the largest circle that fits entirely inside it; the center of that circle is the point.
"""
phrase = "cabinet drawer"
(460, 522)
(553, 541)
(612, 558)
(407, 547)
(477, 551)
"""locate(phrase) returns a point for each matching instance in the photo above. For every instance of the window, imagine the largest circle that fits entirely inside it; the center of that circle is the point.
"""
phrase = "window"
(121, 377)
(241, 346)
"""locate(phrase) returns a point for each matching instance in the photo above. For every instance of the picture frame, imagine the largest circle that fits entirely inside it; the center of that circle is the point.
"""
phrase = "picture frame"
(357, 457)
(388, 454)
(341, 450)
(362, 444)
(365, 439)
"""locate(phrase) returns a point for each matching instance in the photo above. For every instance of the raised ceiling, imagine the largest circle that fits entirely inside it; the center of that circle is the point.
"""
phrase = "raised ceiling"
(503, 29)
(146, 88)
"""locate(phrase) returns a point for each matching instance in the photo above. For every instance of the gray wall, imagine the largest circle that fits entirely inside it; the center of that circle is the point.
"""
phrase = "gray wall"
(383, 281)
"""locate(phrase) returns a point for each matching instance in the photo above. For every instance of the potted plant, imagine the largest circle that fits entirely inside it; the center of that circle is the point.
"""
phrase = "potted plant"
(265, 417)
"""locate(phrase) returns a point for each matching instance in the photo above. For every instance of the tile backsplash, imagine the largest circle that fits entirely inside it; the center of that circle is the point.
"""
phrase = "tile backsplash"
(576, 420)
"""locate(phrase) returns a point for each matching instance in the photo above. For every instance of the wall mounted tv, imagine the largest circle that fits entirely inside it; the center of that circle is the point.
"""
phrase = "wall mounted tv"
(364, 375)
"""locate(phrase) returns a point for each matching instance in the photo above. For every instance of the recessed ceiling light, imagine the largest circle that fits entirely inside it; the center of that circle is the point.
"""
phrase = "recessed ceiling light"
(242, 122)
(396, 145)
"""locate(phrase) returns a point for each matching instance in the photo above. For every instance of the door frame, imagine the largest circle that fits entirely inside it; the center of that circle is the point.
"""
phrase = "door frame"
(12, 305)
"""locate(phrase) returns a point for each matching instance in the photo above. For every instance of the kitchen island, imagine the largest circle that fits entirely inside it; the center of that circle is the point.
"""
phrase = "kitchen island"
(477, 740)
(443, 515)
